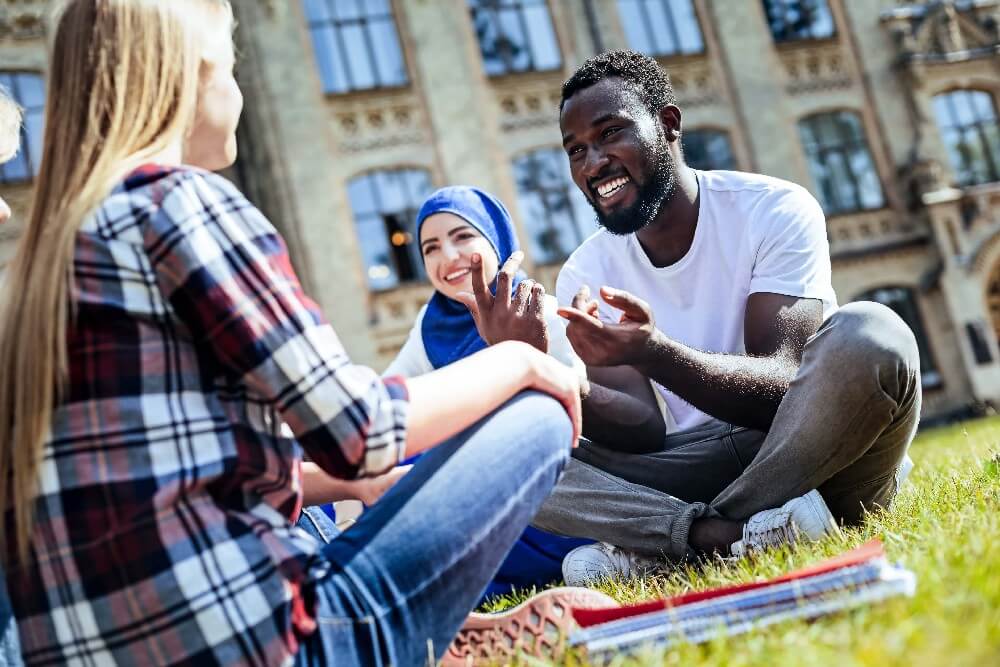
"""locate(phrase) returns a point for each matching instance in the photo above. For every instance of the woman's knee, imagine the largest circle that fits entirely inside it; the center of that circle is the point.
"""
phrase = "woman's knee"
(542, 420)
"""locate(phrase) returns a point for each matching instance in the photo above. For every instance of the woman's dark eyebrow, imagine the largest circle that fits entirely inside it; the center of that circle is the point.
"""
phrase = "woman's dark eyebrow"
(426, 241)
(459, 228)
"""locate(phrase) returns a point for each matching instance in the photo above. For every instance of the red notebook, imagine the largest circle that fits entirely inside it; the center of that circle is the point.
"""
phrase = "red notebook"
(866, 552)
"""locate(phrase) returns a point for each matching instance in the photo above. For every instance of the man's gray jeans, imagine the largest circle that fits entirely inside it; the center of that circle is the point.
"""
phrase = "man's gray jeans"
(843, 427)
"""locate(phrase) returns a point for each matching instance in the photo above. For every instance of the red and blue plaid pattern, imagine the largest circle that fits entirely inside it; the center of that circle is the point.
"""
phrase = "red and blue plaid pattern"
(167, 493)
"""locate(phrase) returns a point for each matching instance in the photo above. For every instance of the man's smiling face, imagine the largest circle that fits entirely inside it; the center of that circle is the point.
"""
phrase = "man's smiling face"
(618, 155)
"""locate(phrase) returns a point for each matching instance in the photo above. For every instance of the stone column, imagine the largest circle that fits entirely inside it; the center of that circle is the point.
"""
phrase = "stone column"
(290, 118)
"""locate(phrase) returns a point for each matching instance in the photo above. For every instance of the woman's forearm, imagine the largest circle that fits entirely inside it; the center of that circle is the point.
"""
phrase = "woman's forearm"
(447, 401)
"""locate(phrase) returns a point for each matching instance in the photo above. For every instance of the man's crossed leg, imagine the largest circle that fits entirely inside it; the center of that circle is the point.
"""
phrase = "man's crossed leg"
(843, 428)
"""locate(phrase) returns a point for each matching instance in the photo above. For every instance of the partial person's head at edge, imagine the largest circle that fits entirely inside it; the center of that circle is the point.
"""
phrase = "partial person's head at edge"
(10, 134)
(621, 129)
(129, 83)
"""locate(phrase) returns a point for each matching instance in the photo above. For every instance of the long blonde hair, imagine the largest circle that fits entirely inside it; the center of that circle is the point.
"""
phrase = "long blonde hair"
(123, 86)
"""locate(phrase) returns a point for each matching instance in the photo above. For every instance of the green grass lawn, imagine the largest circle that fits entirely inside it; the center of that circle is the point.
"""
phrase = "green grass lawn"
(944, 526)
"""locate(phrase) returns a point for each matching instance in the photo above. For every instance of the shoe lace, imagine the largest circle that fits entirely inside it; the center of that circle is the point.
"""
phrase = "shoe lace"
(772, 530)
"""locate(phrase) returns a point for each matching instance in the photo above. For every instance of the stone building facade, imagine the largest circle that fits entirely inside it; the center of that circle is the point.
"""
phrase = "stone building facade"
(886, 110)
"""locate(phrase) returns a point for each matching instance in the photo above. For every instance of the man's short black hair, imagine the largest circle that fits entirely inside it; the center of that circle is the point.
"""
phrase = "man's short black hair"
(644, 74)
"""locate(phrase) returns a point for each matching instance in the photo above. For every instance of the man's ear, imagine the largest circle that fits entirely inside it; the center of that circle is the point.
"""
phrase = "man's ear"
(670, 119)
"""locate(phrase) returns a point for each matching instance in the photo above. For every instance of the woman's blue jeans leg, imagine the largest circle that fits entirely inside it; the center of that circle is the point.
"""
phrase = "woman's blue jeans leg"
(407, 574)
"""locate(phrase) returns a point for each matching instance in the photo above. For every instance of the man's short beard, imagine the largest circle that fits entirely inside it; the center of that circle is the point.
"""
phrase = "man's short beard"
(658, 191)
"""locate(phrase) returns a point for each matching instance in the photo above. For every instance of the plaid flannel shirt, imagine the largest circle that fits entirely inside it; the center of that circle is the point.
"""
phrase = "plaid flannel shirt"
(167, 492)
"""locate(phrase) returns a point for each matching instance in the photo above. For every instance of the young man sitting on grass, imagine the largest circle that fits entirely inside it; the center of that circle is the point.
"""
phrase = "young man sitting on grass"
(785, 414)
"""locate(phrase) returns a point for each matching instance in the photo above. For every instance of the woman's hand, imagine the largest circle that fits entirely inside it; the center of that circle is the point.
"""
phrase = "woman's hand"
(506, 316)
(371, 489)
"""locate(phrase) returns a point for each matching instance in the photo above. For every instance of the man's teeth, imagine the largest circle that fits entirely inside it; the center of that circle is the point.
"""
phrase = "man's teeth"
(611, 187)
(456, 274)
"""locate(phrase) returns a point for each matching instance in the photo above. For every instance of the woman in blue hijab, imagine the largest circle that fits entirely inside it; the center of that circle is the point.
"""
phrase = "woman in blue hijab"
(454, 224)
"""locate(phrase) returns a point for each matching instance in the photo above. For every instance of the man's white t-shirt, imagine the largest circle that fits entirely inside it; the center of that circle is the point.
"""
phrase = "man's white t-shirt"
(754, 234)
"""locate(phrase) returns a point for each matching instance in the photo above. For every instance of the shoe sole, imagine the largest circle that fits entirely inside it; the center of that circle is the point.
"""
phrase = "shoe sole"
(537, 627)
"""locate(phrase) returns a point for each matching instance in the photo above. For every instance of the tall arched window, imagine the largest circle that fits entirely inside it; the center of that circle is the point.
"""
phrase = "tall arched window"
(840, 162)
(385, 205)
(515, 35)
(661, 27)
(708, 149)
(968, 123)
(556, 214)
(356, 44)
(28, 90)
(903, 302)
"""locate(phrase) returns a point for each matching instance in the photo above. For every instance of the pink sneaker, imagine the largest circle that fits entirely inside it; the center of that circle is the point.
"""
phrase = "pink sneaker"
(536, 627)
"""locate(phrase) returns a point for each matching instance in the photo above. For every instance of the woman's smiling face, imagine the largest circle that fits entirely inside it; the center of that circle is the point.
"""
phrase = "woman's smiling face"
(447, 243)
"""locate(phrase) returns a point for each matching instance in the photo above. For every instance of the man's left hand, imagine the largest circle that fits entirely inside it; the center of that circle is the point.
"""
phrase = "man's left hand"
(601, 343)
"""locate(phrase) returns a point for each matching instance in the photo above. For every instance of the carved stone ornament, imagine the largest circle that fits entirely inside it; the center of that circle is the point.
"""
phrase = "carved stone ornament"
(945, 30)
(22, 19)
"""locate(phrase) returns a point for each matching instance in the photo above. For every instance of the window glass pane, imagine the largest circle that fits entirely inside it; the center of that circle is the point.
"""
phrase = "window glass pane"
(331, 67)
(388, 56)
(360, 64)
(840, 162)
(384, 205)
(16, 169)
(515, 36)
(661, 26)
(512, 43)
(688, 29)
(556, 214)
(708, 149)
(317, 10)
(983, 105)
(360, 192)
(28, 90)
(799, 19)
(967, 121)
(542, 37)
(634, 25)
(356, 44)
(347, 9)
(379, 267)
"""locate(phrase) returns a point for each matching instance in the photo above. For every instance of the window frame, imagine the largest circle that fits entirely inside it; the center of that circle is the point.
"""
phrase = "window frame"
(25, 149)
(845, 147)
(992, 160)
(475, 8)
(675, 28)
(781, 40)
(407, 216)
(735, 164)
(364, 21)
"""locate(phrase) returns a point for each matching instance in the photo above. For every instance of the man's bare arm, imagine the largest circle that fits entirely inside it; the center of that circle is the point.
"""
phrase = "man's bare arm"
(621, 412)
(740, 389)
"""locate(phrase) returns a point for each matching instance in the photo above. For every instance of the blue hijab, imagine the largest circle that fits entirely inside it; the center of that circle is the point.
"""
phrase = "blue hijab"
(448, 330)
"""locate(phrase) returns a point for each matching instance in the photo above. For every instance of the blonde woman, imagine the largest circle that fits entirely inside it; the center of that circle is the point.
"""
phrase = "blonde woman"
(153, 338)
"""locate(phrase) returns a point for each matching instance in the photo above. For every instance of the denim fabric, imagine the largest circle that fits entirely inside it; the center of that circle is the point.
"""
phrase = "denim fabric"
(10, 648)
(407, 574)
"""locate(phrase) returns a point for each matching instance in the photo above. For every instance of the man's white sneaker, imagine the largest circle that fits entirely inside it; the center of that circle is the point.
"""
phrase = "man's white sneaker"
(592, 562)
(804, 518)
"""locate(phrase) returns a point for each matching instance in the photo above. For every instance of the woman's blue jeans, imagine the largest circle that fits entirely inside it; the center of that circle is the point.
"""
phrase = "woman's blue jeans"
(410, 570)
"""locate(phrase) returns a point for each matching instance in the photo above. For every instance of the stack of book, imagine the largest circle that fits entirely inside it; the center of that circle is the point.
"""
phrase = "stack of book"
(859, 577)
